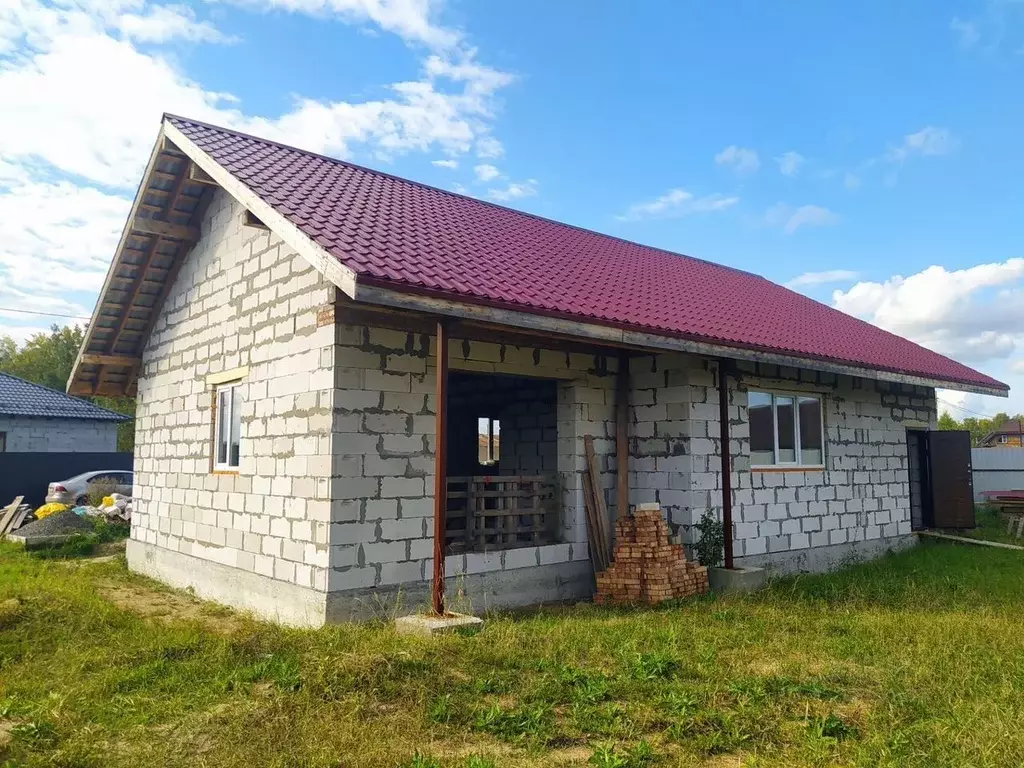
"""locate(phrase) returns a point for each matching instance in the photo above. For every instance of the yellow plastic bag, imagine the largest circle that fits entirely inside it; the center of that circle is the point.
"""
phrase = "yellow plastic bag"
(108, 501)
(50, 509)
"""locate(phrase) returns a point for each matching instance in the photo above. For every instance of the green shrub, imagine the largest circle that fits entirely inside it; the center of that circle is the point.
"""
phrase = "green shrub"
(710, 547)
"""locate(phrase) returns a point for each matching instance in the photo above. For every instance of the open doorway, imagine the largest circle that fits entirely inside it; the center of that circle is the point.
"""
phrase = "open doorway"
(502, 462)
(921, 512)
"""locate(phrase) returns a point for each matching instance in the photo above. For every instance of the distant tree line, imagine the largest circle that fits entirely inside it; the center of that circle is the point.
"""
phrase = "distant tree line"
(47, 359)
(978, 427)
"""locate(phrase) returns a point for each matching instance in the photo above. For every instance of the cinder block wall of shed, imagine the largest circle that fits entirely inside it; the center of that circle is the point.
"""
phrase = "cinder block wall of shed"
(383, 483)
(29, 434)
(257, 539)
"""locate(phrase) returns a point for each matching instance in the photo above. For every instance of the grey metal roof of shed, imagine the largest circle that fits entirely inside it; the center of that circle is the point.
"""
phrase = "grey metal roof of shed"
(23, 398)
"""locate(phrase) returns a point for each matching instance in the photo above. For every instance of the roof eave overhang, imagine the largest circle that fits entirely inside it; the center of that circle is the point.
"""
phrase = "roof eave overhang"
(206, 171)
(371, 293)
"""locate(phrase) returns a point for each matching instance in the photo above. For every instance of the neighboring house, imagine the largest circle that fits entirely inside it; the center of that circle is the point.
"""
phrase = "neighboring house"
(277, 313)
(1007, 435)
(37, 419)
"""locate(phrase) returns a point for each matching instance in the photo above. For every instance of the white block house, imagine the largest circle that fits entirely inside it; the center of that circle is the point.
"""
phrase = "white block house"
(278, 316)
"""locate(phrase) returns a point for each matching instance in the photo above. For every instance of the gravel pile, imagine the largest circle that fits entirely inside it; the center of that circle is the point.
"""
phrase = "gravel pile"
(58, 524)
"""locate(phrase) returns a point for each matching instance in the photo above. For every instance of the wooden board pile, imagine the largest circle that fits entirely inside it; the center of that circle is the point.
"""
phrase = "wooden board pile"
(646, 567)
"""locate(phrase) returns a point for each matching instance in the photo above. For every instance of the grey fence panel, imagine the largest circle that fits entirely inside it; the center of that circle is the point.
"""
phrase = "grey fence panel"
(997, 469)
(28, 474)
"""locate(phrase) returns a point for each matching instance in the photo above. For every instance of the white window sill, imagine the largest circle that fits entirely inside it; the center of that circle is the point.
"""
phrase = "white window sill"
(788, 468)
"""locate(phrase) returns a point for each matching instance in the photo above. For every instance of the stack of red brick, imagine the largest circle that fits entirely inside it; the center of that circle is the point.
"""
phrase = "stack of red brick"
(646, 567)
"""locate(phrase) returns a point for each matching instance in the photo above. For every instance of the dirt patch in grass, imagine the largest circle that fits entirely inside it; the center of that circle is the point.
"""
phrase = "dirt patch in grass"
(167, 606)
(6, 734)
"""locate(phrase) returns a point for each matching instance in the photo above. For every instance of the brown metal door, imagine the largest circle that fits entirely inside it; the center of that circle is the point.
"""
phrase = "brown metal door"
(952, 491)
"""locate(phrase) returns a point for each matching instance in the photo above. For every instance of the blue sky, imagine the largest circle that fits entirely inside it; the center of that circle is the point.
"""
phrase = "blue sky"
(868, 154)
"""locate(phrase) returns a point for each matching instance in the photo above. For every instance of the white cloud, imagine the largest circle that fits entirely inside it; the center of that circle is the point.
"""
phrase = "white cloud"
(825, 277)
(56, 237)
(489, 147)
(449, 164)
(164, 23)
(973, 314)
(514, 191)
(791, 219)
(790, 163)
(485, 172)
(677, 202)
(89, 104)
(1017, 366)
(851, 180)
(967, 32)
(82, 105)
(412, 20)
(929, 141)
(740, 159)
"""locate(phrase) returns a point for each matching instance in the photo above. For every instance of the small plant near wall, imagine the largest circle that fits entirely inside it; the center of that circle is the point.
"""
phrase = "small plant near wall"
(710, 547)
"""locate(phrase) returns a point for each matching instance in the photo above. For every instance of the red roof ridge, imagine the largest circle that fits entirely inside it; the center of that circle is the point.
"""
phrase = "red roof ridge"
(451, 193)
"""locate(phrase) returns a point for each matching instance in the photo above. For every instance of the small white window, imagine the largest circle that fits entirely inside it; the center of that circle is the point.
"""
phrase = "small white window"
(227, 426)
(1004, 438)
(488, 441)
(785, 430)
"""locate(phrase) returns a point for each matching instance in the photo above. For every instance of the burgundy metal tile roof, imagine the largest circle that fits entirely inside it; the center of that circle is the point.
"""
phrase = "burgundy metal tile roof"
(409, 236)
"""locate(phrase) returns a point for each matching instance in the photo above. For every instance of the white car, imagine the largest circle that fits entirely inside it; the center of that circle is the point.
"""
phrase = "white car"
(75, 490)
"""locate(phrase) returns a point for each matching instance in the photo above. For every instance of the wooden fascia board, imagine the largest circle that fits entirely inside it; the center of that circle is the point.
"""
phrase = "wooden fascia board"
(340, 275)
(639, 340)
(158, 147)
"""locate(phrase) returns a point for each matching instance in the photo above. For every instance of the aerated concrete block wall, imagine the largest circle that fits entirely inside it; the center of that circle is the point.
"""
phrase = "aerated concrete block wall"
(529, 434)
(27, 434)
(859, 503)
(258, 538)
(383, 484)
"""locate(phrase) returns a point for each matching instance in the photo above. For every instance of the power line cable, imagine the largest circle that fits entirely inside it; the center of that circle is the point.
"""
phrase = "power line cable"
(49, 314)
(965, 410)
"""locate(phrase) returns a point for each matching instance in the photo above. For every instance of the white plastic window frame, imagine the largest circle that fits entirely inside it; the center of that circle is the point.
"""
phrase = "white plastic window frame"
(234, 401)
(798, 452)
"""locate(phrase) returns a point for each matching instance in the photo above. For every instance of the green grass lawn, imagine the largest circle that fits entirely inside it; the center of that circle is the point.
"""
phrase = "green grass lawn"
(990, 526)
(917, 659)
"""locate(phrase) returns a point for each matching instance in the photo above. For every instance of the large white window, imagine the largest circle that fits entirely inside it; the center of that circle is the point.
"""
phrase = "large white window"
(227, 447)
(786, 430)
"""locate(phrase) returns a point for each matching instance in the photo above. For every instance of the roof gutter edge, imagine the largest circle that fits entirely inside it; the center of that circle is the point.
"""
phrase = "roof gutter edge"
(370, 293)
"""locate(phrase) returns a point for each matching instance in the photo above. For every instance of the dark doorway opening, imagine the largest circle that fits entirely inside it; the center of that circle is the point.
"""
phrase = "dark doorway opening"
(503, 482)
(922, 515)
(939, 473)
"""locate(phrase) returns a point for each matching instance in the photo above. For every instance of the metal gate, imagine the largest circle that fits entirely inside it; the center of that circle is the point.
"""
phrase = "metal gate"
(952, 492)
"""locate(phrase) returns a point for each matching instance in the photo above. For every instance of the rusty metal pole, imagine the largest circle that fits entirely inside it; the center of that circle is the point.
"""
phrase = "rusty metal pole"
(622, 437)
(440, 469)
(723, 419)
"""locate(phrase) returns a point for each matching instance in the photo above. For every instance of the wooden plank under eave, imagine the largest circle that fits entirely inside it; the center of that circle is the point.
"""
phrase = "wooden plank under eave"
(119, 360)
(182, 232)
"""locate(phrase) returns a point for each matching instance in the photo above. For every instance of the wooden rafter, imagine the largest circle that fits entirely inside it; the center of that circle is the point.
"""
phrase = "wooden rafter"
(175, 267)
(167, 229)
(139, 280)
